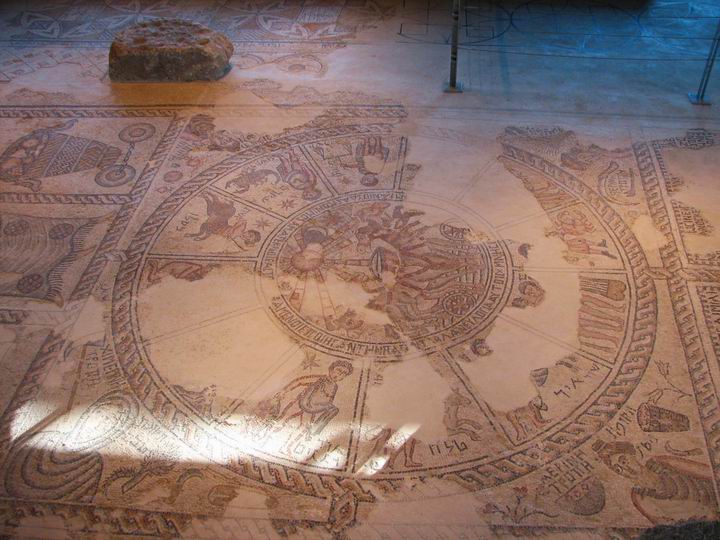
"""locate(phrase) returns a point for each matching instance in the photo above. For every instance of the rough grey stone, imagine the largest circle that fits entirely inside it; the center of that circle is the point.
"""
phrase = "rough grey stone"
(169, 50)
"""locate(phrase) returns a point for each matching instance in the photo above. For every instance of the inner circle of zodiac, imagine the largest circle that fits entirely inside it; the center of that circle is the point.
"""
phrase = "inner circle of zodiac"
(422, 275)
(361, 278)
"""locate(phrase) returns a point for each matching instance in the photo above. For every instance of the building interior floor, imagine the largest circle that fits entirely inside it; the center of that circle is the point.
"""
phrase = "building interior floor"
(323, 298)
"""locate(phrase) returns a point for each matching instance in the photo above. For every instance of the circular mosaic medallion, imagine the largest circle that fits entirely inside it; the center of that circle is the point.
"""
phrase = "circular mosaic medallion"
(115, 175)
(136, 133)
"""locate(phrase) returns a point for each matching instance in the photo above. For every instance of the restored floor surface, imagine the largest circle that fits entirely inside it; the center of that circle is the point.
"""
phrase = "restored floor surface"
(322, 298)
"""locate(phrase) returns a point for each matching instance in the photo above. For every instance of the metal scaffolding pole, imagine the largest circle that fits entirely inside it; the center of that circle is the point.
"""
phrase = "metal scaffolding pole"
(453, 86)
(698, 98)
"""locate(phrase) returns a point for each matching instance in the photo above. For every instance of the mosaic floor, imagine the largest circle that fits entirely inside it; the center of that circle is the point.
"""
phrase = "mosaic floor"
(321, 298)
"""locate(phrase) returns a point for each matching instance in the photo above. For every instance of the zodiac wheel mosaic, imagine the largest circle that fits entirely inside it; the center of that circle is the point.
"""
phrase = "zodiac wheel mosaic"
(283, 255)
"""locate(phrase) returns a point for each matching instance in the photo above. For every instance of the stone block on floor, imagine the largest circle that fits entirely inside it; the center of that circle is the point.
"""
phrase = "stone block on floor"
(169, 50)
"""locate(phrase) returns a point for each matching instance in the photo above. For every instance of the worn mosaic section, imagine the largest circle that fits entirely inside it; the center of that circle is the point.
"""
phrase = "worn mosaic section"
(238, 317)
(290, 37)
